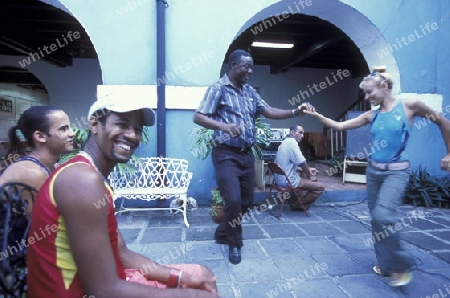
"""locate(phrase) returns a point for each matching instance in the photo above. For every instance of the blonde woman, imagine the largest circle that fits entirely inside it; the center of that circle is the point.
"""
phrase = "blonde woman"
(388, 172)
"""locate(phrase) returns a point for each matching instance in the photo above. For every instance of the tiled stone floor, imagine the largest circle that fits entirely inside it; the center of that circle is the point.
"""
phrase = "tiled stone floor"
(324, 255)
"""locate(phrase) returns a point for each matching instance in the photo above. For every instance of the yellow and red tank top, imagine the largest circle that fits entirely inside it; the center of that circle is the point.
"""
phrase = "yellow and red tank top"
(52, 271)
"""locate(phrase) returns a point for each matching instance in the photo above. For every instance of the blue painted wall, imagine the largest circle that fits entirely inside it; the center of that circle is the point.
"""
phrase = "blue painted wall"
(419, 62)
(443, 65)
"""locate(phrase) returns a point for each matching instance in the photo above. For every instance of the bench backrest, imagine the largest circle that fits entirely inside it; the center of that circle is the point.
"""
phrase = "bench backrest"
(161, 173)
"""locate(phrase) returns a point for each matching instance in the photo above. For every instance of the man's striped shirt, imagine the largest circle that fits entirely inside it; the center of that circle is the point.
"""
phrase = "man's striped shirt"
(225, 103)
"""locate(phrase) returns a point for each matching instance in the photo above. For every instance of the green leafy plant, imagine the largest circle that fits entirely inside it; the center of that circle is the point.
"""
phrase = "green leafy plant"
(79, 139)
(426, 190)
(203, 141)
(217, 199)
(217, 202)
(203, 145)
(262, 139)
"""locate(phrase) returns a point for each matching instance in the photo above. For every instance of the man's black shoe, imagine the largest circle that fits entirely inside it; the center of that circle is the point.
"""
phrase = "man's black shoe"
(234, 255)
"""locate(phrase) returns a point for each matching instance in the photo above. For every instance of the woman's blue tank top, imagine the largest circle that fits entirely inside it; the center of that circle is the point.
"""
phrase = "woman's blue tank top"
(392, 130)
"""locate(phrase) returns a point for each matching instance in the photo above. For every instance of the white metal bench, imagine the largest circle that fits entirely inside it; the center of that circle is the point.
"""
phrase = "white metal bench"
(153, 178)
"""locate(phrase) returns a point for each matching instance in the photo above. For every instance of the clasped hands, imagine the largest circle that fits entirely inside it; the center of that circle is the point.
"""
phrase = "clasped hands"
(306, 106)
(313, 174)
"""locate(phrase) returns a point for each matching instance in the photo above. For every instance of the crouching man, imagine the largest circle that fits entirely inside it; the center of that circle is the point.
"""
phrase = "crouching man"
(291, 160)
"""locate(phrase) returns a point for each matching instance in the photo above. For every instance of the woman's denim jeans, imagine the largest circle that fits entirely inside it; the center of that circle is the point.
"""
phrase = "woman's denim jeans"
(385, 191)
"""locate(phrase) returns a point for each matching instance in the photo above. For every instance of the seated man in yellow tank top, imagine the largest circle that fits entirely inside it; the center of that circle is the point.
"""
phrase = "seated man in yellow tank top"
(83, 253)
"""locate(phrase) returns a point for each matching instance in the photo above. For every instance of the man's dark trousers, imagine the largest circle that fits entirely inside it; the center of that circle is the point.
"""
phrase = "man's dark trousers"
(235, 176)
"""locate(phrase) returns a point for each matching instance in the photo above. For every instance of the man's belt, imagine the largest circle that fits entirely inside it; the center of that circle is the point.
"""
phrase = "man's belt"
(391, 166)
(237, 149)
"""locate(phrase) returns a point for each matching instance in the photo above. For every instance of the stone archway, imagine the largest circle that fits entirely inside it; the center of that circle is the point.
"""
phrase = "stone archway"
(64, 83)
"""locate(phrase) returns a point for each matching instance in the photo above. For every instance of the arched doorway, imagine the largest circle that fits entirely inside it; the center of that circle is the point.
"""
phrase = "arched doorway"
(321, 27)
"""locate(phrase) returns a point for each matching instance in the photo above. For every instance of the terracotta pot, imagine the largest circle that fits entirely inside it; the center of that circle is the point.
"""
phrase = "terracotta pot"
(217, 213)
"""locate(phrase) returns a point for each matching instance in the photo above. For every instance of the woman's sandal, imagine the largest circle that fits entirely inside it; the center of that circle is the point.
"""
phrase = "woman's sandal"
(400, 279)
(377, 270)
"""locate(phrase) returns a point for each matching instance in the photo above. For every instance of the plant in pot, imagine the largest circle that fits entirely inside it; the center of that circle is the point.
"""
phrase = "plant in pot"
(337, 162)
(203, 144)
(423, 189)
(217, 205)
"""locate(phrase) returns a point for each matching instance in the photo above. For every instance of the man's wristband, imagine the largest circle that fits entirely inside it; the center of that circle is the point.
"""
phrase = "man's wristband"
(174, 278)
(179, 279)
(294, 112)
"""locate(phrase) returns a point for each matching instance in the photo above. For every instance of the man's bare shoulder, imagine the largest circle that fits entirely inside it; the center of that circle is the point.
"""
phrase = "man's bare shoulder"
(79, 182)
(79, 174)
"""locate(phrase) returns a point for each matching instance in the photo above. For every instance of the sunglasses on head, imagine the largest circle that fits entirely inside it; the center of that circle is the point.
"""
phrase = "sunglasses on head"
(377, 74)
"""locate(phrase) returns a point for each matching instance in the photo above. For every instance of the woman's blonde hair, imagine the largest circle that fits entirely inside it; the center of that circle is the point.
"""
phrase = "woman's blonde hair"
(379, 75)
